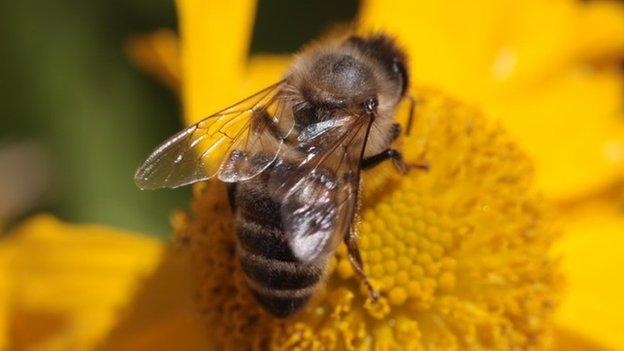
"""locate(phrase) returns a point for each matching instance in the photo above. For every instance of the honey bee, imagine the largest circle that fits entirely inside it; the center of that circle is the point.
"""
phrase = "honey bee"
(292, 155)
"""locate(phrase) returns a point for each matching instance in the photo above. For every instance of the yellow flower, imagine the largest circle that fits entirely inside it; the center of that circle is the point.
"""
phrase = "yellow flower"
(460, 253)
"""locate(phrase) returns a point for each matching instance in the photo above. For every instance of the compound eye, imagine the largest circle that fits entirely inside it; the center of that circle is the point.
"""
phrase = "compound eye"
(370, 106)
(396, 66)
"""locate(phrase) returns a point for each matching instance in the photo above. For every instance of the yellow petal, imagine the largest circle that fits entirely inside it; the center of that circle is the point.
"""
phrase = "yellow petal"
(567, 340)
(62, 285)
(528, 63)
(157, 53)
(573, 128)
(450, 43)
(5, 303)
(593, 257)
(264, 70)
(601, 31)
(162, 315)
(215, 38)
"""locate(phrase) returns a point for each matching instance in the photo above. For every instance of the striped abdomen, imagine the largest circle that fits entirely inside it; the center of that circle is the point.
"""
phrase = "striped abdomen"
(279, 281)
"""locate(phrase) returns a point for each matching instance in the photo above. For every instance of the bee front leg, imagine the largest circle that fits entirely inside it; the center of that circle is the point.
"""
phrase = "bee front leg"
(356, 261)
(395, 131)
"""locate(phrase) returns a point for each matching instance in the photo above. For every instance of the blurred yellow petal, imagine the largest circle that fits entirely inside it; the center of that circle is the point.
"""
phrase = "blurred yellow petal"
(593, 257)
(601, 31)
(567, 340)
(5, 303)
(62, 285)
(215, 41)
(157, 53)
(573, 128)
(264, 70)
(162, 315)
(450, 43)
(528, 63)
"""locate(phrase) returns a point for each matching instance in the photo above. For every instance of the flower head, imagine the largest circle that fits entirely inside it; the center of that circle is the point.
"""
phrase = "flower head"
(460, 253)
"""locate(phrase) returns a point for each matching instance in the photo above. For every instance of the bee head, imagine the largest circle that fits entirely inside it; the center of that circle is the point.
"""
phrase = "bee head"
(384, 50)
(363, 75)
(340, 80)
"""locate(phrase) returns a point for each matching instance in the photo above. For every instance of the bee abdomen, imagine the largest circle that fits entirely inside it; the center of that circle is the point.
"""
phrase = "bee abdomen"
(280, 307)
(280, 275)
(264, 240)
(282, 287)
(279, 281)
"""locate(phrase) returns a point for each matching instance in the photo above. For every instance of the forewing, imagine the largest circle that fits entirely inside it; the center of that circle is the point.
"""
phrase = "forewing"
(319, 207)
(260, 144)
(222, 142)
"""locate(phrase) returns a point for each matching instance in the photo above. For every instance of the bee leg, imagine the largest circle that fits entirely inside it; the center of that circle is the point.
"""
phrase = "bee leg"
(395, 131)
(397, 159)
(410, 118)
(231, 191)
(356, 262)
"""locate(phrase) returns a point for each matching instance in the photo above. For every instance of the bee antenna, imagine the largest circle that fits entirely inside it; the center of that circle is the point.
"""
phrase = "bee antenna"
(410, 118)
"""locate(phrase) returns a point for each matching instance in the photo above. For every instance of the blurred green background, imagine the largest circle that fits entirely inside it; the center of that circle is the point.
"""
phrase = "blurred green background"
(77, 117)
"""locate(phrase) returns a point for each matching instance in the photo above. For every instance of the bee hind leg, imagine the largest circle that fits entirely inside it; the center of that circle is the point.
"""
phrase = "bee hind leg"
(356, 261)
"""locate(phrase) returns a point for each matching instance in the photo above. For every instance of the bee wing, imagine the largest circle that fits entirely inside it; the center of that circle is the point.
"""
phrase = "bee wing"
(221, 144)
(319, 207)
